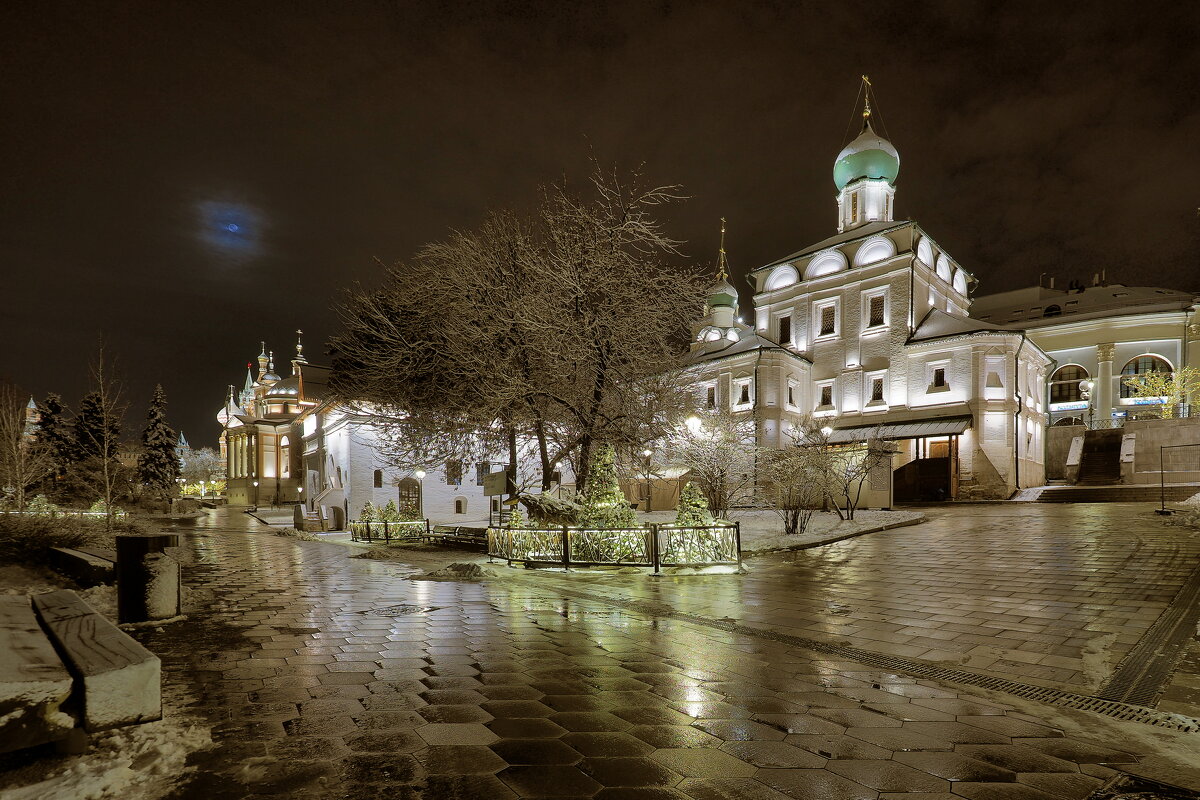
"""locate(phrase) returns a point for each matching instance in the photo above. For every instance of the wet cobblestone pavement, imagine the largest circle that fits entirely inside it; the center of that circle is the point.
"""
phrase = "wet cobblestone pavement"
(330, 677)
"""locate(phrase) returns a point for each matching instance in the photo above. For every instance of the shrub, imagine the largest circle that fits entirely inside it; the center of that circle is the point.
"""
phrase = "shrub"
(26, 538)
(693, 507)
(41, 505)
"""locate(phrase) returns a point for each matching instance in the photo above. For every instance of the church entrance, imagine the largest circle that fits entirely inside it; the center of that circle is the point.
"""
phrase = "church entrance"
(931, 474)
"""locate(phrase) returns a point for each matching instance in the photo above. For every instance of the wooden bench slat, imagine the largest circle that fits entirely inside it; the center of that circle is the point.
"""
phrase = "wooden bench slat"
(121, 679)
(34, 684)
(101, 553)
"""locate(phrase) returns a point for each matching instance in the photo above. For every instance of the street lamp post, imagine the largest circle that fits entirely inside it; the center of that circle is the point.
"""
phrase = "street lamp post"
(420, 491)
(649, 489)
(1085, 393)
(256, 495)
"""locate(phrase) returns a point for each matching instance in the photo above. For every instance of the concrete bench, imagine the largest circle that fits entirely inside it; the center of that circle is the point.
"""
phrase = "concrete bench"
(63, 665)
(87, 566)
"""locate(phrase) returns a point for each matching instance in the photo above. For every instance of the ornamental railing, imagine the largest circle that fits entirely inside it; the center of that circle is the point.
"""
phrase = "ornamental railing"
(389, 531)
(653, 546)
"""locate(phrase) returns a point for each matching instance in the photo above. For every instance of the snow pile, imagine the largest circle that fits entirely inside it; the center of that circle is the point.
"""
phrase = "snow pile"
(103, 599)
(139, 762)
(1193, 501)
(456, 572)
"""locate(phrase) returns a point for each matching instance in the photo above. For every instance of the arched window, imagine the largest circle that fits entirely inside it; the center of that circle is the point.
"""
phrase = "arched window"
(460, 505)
(1141, 366)
(378, 479)
(1064, 384)
(1066, 421)
(285, 457)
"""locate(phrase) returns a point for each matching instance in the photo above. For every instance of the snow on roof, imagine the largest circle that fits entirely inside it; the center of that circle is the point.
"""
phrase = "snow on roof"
(1037, 306)
(748, 341)
(937, 324)
(861, 232)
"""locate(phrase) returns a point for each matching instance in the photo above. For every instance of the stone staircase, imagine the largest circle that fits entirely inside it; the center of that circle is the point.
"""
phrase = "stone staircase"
(1101, 462)
(1127, 493)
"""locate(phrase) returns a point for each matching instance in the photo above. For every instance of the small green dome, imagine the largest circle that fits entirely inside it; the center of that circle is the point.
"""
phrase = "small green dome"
(868, 156)
(722, 294)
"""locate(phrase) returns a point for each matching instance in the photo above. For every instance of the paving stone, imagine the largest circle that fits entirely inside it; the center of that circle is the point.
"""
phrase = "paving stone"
(456, 733)
(703, 763)
(838, 746)
(459, 760)
(887, 776)
(898, 739)
(549, 781)
(640, 793)
(466, 787)
(1016, 758)
(956, 767)
(957, 733)
(535, 751)
(629, 771)
(607, 744)
(729, 789)
(380, 768)
(1071, 786)
(815, 784)
(673, 736)
(1077, 751)
(1000, 791)
(773, 755)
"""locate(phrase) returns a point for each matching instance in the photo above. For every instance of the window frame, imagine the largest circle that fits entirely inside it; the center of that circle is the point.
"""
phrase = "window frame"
(819, 307)
(867, 297)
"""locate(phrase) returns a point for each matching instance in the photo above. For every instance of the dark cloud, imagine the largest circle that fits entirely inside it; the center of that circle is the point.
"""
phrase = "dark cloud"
(1033, 137)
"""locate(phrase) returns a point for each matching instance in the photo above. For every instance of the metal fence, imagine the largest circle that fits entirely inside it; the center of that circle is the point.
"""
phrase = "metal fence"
(389, 531)
(1181, 411)
(652, 546)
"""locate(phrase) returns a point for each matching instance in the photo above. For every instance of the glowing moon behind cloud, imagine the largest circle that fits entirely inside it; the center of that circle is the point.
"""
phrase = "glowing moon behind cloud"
(230, 230)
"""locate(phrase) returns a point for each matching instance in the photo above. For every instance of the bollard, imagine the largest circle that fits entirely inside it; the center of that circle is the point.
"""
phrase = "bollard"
(147, 578)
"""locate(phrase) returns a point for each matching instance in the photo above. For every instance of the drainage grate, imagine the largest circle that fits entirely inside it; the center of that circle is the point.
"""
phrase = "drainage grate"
(1149, 664)
(399, 610)
(919, 669)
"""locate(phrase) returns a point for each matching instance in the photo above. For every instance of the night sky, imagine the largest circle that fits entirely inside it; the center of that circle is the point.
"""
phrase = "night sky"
(192, 178)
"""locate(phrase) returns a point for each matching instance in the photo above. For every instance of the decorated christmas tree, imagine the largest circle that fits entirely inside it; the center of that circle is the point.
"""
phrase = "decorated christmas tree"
(693, 508)
(604, 504)
(369, 513)
(389, 513)
(158, 464)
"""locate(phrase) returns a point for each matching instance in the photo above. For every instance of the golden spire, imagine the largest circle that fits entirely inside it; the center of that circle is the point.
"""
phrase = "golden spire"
(722, 264)
(866, 99)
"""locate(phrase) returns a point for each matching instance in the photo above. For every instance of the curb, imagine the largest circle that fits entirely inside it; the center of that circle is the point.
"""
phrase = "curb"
(834, 539)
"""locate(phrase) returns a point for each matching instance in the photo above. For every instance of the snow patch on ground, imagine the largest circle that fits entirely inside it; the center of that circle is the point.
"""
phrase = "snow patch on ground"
(22, 579)
(456, 572)
(101, 598)
(1193, 501)
(139, 762)
(1098, 660)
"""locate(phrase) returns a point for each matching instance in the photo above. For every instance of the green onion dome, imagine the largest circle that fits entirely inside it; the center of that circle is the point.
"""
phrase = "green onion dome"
(868, 156)
(722, 293)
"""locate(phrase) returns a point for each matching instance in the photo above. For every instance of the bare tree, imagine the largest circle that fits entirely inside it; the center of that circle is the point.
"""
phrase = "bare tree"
(720, 451)
(24, 460)
(201, 465)
(840, 469)
(791, 485)
(563, 329)
(98, 433)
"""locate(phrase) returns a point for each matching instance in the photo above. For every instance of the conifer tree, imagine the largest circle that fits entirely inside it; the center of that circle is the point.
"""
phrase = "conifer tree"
(97, 430)
(55, 432)
(693, 507)
(604, 504)
(158, 464)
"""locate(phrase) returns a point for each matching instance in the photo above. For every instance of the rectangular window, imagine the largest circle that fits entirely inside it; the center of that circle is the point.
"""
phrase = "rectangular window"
(854, 207)
(828, 320)
(877, 390)
(744, 394)
(939, 377)
(827, 395)
(454, 472)
(791, 394)
(481, 470)
(785, 330)
(712, 397)
(378, 479)
(875, 316)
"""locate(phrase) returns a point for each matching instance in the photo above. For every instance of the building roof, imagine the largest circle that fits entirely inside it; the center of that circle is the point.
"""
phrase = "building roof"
(861, 232)
(914, 429)
(937, 324)
(748, 341)
(1038, 306)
